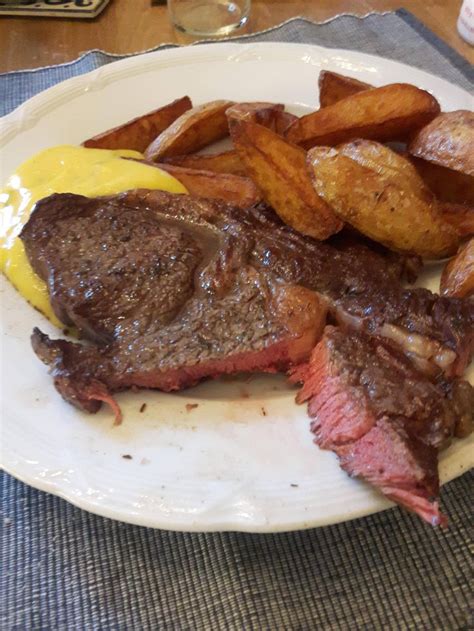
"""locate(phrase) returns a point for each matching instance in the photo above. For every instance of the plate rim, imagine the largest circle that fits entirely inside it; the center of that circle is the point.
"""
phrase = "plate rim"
(225, 525)
(115, 67)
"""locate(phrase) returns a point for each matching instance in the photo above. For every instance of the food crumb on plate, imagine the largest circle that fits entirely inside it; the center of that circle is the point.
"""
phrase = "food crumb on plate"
(126, 456)
(191, 406)
(143, 407)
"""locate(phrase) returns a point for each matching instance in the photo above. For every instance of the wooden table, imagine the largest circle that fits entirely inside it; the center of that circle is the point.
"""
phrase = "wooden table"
(133, 25)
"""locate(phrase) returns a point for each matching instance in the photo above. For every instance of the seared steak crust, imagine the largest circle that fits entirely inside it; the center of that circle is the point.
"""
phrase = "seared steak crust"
(166, 292)
(104, 259)
(395, 388)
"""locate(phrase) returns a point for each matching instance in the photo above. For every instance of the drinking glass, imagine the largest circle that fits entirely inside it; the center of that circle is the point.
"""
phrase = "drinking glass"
(208, 18)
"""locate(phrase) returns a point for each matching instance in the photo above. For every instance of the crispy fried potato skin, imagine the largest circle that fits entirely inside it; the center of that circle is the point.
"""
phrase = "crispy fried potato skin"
(283, 120)
(195, 129)
(271, 115)
(226, 162)
(391, 112)
(278, 169)
(448, 185)
(384, 161)
(334, 87)
(461, 217)
(448, 141)
(233, 189)
(458, 275)
(138, 133)
(379, 193)
(261, 112)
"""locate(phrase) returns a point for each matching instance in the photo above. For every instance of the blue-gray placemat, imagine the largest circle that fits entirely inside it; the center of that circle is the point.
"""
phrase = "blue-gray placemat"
(65, 569)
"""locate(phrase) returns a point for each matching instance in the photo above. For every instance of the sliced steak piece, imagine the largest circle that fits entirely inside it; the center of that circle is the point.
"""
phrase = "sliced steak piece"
(403, 468)
(384, 418)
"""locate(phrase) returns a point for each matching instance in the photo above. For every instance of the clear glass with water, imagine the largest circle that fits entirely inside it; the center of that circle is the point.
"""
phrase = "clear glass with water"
(208, 18)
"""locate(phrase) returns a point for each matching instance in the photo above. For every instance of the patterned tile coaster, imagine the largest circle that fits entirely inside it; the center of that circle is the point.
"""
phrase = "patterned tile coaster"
(54, 8)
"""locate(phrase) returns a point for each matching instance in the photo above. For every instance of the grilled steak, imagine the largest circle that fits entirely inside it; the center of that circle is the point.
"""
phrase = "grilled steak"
(103, 258)
(384, 419)
(166, 296)
(170, 289)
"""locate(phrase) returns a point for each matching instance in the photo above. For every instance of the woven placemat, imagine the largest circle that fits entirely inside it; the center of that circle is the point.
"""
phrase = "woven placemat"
(66, 569)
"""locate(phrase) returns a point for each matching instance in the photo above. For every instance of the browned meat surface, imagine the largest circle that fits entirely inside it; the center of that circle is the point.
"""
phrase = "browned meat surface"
(384, 418)
(168, 285)
(166, 300)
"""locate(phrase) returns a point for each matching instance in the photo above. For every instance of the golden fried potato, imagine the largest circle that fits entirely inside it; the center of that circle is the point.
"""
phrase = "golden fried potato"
(448, 185)
(283, 120)
(139, 132)
(278, 169)
(384, 161)
(271, 115)
(195, 129)
(458, 275)
(448, 141)
(259, 112)
(388, 113)
(226, 162)
(388, 205)
(334, 87)
(461, 217)
(234, 189)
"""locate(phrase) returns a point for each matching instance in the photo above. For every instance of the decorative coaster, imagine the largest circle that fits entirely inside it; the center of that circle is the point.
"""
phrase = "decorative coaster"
(54, 8)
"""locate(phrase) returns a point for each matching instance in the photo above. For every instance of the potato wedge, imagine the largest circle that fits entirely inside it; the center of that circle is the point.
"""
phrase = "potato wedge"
(195, 129)
(448, 141)
(259, 112)
(226, 162)
(386, 206)
(457, 278)
(283, 120)
(388, 113)
(334, 87)
(384, 161)
(271, 115)
(139, 132)
(233, 189)
(278, 169)
(461, 217)
(448, 185)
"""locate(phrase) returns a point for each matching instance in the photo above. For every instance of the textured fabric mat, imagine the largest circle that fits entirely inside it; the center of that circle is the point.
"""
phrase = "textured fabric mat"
(65, 569)
(397, 35)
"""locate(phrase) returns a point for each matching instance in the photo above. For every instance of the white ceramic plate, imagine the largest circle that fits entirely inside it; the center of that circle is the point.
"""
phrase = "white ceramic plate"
(244, 458)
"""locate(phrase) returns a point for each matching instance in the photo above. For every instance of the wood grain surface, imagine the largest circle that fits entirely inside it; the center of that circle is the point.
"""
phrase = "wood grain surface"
(133, 25)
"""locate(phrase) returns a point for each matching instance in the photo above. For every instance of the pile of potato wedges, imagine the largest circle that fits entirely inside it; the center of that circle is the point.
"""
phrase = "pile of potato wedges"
(384, 160)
